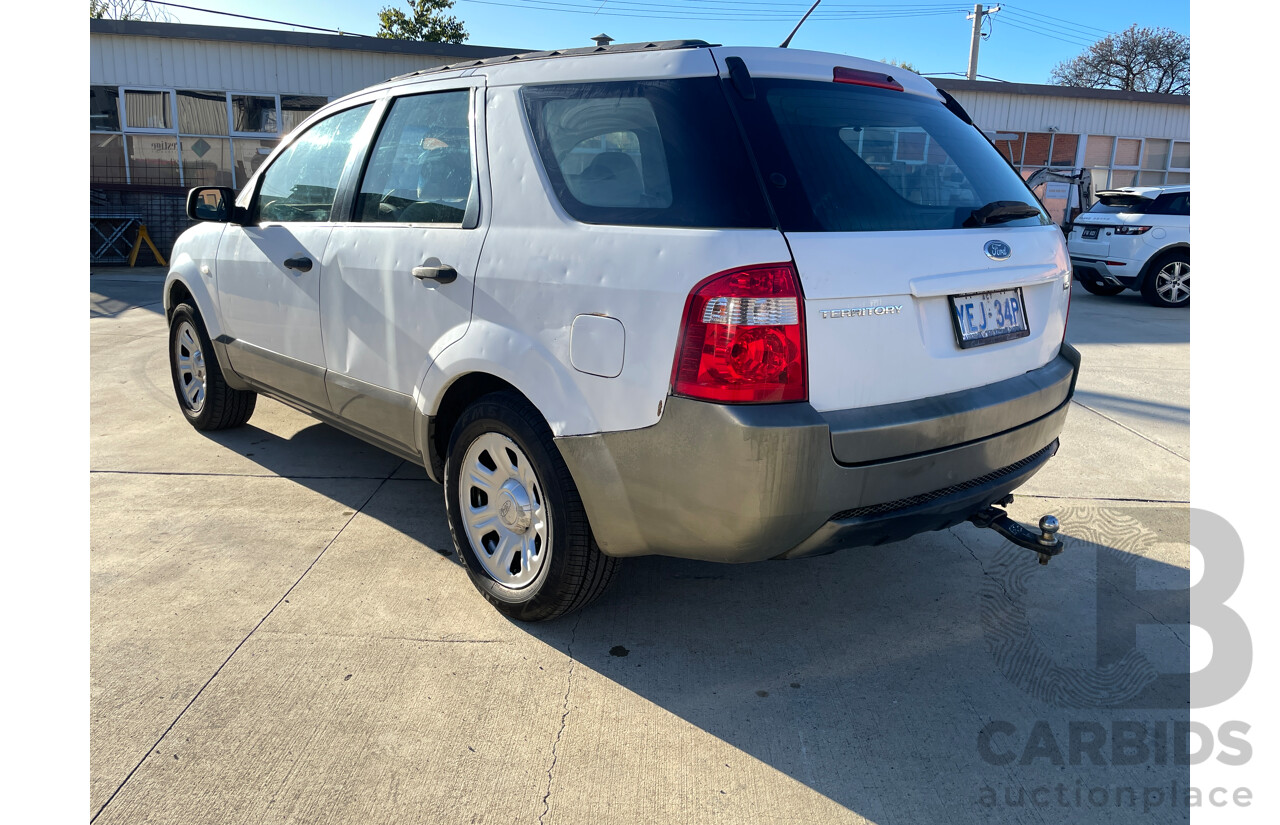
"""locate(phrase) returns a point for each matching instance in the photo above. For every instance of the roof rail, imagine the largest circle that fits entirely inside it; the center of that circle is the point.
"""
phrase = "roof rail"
(613, 48)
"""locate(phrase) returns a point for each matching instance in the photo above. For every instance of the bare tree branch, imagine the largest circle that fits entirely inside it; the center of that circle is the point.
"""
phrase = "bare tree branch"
(1136, 60)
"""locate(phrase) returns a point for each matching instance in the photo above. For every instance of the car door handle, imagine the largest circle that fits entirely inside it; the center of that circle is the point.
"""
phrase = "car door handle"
(301, 263)
(439, 274)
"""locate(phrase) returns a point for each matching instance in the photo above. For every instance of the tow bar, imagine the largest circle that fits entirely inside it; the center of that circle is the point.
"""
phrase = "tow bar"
(1046, 545)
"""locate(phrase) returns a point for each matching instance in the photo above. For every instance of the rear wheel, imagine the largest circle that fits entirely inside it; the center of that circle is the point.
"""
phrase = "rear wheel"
(204, 397)
(1169, 284)
(515, 514)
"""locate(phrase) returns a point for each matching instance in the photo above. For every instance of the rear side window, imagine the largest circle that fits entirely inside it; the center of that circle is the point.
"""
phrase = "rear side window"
(847, 158)
(420, 170)
(651, 153)
(1174, 203)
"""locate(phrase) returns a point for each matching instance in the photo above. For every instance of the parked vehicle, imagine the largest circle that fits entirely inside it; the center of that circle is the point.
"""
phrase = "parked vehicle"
(1136, 238)
(718, 303)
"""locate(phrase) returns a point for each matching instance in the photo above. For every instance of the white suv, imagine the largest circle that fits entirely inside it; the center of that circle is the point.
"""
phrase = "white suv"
(728, 304)
(1136, 238)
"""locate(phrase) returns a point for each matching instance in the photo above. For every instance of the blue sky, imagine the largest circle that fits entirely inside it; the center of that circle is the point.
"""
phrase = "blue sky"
(1028, 37)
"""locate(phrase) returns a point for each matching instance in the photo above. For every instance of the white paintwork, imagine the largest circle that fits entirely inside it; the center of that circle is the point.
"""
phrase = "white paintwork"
(866, 360)
(552, 296)
(382, 325)
(1131, 251)
(193, 264)
(540, 269)
(598, 345)
(805, 65)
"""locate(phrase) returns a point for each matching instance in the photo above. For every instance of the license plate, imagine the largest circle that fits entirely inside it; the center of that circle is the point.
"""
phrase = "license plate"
(988, 317)
(1090, 233)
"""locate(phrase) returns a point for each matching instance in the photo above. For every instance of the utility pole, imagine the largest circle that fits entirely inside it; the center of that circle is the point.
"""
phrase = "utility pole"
(977, 17)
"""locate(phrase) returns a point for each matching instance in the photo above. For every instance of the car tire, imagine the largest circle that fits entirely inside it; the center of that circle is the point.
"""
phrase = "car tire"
(1169, 282)
(515, 514)
(204, 397)
(1100, 287)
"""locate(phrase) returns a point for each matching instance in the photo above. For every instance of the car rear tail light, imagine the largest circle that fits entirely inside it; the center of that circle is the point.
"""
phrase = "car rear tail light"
(1131, 230)
(858, 77)
(742, 340)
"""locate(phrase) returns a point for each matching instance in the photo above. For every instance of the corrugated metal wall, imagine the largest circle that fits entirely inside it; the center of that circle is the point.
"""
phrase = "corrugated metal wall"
(1033, 113)
(242, 67)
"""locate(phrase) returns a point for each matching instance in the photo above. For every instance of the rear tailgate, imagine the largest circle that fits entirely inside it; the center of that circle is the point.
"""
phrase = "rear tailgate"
(892, 204)
(859, 357)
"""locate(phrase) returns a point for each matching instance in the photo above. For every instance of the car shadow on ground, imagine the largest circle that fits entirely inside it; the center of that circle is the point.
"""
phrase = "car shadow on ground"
(870, 675)
(111, 293)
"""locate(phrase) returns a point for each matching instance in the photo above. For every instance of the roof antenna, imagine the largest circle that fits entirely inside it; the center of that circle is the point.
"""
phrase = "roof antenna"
(787, 42)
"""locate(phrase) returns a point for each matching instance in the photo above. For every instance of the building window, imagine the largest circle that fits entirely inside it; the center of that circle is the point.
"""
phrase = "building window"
(254, 114)
(202, 113)
(149, 110)
(184, 137)
(106, 159)
(296, 108)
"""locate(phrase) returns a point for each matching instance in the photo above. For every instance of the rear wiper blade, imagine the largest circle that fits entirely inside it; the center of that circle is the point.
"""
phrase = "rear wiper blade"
(1001, 211)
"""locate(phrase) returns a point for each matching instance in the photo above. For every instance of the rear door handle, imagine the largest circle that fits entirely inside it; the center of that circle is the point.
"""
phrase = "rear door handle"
(301, 263)
(439, 274)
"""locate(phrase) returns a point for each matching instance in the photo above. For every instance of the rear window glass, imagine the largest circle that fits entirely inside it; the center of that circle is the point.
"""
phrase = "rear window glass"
(842, 158)
(1121, 205)
(652, 153)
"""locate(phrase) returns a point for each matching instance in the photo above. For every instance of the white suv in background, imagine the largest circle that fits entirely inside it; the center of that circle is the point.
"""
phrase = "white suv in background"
(1136, 238)
(729, 304)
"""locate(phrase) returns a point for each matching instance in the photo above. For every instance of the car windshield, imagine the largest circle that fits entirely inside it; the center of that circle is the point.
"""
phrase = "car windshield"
(838, 157)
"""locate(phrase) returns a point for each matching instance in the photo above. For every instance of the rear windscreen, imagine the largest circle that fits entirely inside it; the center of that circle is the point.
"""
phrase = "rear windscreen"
(844, 158)
(1130, 205)
(648, 153)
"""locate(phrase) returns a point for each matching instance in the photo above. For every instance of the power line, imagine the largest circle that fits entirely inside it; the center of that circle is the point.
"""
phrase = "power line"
(1051, 28)
(1082, 43)
(258, 19)
(1061, 20)
(651, 11)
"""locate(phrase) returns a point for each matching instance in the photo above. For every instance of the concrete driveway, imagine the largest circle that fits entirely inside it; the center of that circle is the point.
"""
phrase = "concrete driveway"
(281, 633)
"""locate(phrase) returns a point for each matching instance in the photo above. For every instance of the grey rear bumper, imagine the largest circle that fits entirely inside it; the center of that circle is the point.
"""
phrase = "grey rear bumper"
(751, 482)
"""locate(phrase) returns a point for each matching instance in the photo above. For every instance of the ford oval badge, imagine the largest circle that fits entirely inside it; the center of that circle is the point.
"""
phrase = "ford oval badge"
(998, 250)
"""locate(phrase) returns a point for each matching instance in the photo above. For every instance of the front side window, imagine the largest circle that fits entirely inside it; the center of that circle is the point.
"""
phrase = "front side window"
(420, 170)
(847, 158)
(648, 153)
(301, 184)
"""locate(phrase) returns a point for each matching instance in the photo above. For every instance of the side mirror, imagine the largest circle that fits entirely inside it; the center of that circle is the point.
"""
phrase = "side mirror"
(212, 203)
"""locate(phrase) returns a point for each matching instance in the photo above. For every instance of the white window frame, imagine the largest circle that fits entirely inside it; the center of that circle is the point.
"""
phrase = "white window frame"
(175, 130)
(1136, 168)
(897, 139)
(126, 130)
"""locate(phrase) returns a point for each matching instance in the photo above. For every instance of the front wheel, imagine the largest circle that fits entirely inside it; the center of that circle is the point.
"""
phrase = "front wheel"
(204, 397)
(1169, 284)
(515, 515)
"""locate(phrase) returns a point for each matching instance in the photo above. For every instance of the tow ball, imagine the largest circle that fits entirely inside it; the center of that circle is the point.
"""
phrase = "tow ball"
(1046, 545)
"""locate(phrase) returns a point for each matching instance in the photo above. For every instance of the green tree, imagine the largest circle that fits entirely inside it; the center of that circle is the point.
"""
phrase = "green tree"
(1134, 60)
(424, 21)
(902, 64)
